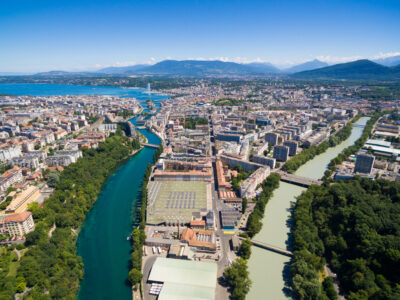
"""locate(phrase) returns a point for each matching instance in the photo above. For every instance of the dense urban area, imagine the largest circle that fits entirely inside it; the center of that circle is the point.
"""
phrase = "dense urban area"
(226, 146)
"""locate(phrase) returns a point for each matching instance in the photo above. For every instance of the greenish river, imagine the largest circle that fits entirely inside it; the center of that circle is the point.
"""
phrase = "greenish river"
(269, 271)
(102, 241)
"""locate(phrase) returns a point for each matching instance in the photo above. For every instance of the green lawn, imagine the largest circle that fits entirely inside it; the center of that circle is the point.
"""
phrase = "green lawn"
(12, 270)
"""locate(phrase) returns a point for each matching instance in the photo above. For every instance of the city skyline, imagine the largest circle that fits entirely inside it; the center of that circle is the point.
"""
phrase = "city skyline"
(89, 35)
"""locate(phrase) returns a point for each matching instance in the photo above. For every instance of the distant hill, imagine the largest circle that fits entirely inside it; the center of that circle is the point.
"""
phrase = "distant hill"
(264, 68)
(389, 61)
(310, 65)
(53, 73)
(357, 70)
(204, 68)
(63, 74)
(121, 70)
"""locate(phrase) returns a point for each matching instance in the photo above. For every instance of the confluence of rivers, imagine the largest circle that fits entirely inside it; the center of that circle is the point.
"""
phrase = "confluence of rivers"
(269, 271)
(102, 240)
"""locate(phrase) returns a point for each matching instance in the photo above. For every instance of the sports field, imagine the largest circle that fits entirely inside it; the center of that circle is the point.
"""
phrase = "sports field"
(172, 201)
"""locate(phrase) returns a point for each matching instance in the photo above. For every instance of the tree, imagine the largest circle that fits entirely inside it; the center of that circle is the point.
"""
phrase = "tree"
(135, 276)
(21, 285)
(244, 205)
(245, 249)
(136, 143)
(329, 289)
(237, 276)
(53, 178)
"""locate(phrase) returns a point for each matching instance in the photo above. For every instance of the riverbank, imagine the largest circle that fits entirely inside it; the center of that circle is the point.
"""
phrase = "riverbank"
(111, 224)
(51, 263)
(238, 278)
(103, 241)
(356, 147)
(309, 153)
(271, 271)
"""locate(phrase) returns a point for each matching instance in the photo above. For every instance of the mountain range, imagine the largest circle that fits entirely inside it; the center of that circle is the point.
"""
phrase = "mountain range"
(357, 70)
(310, 65)
(194, 68)
(208, 67)
(389, 61)
(364, 69)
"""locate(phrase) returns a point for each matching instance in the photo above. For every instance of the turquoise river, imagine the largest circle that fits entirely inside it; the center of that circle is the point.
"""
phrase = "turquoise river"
(102, 240)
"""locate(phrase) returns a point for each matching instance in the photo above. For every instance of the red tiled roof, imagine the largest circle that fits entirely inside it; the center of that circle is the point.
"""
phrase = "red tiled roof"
(18, 217)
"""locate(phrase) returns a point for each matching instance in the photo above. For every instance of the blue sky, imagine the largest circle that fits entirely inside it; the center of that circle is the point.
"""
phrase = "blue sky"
(40, 35)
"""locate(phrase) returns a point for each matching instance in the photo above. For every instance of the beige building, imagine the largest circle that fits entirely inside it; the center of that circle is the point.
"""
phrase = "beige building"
(20, 203)
(17, 225)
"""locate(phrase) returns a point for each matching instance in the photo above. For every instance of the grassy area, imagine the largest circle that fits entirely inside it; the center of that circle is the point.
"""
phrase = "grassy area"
(12, 270)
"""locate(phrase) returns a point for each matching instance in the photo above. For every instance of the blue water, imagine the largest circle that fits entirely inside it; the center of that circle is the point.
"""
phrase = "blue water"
(38, 89)
(102, 240)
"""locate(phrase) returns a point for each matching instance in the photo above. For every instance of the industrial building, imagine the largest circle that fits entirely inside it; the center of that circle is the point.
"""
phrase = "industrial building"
(229, 218)
(175, 202)
(183, 279)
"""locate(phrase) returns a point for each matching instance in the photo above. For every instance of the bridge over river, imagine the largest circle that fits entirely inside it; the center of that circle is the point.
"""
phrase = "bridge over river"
(298, 180)
(150, 145)
(270, 247)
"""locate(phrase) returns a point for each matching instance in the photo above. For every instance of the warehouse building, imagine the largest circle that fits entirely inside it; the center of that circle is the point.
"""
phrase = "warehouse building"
(182, 279)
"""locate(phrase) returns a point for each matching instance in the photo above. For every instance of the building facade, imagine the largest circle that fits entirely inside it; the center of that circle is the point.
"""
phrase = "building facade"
(281, 153)
(364, 163)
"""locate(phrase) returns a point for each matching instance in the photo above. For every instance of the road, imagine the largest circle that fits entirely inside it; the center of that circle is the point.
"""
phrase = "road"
(148, 263)
(221, 291)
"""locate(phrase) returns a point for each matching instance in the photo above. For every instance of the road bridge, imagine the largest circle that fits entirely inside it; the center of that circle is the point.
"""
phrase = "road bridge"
(298, 180)
(270, 247)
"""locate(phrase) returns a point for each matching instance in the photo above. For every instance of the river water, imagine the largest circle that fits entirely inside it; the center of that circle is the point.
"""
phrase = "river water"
(102, 240)
(269, 271)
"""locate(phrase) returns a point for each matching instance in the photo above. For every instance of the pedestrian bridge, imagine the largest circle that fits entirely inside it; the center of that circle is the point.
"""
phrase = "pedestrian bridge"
(270, 247)
(150, 145)
(298, 180)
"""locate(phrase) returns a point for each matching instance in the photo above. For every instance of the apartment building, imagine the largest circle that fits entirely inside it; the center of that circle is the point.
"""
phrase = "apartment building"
(17, 225)
(10, 177)
(281, 153)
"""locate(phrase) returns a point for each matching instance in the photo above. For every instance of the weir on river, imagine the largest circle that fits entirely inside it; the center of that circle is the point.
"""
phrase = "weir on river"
(270, 271)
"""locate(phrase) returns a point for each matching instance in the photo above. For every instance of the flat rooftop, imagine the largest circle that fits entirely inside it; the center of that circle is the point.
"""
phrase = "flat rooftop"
(380, 143)
(170, 201)
(184, 279)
